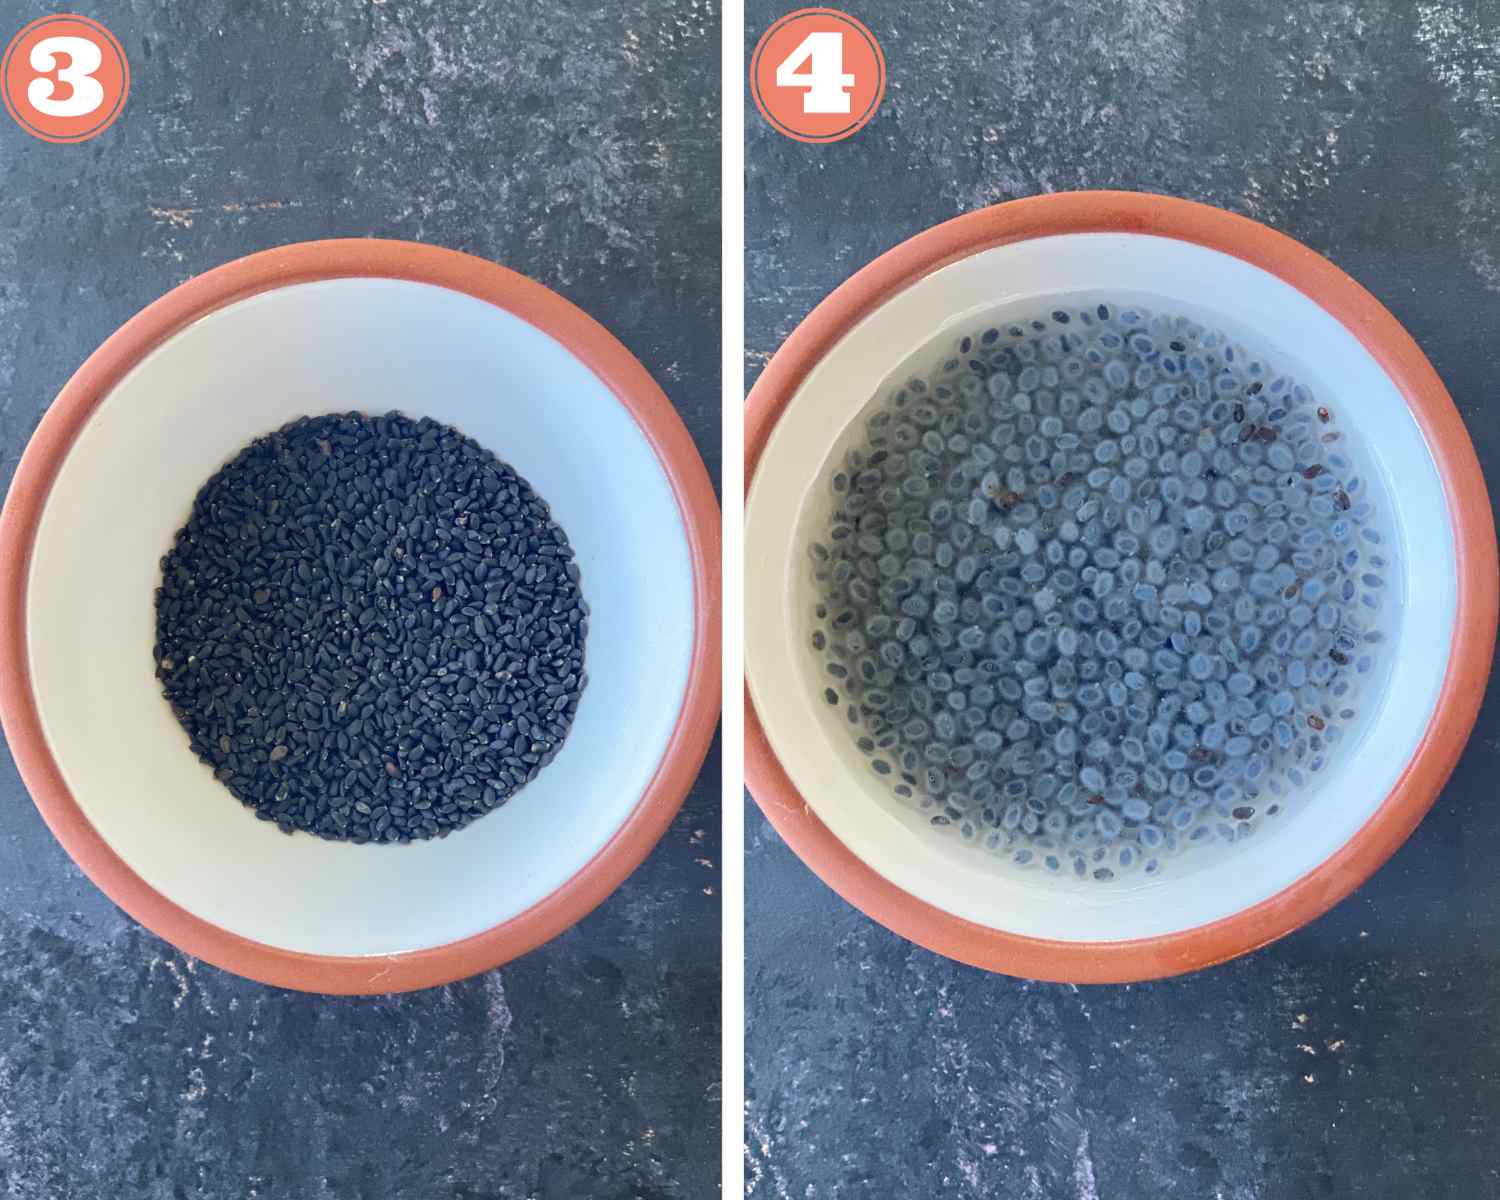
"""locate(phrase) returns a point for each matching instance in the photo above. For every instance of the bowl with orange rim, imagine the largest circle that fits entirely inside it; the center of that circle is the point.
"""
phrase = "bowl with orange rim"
(1332, 419)
(111, 474)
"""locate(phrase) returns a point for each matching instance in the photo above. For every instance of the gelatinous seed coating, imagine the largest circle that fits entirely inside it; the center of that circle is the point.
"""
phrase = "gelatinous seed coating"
(371, 628)
(1098, 587)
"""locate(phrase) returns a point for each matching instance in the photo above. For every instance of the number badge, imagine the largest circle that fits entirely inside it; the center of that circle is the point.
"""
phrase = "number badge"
(817, 75)
(65, 78)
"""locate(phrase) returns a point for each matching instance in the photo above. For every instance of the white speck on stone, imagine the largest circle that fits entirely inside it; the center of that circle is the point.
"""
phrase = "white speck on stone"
(1084, 1184)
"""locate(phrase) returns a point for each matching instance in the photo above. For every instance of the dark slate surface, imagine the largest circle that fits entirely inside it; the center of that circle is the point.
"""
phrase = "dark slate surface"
(581, 149)
(1360, 1057)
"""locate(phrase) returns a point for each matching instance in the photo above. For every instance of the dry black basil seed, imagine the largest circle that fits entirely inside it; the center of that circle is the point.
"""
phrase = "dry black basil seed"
(321, 639)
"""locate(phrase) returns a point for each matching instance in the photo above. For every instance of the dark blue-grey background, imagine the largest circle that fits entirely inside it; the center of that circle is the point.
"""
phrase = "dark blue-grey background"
(1361, 1056)
(577, 146)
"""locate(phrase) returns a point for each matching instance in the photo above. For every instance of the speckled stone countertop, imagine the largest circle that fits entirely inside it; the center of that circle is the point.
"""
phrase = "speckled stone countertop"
(581, 149)
(1361, 1056)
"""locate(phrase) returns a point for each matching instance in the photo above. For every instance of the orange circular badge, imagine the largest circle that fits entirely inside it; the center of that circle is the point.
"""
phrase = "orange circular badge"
(817, 75)
(65, 78)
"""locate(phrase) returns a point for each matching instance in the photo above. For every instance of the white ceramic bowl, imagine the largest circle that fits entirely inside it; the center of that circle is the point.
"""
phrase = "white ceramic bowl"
(882, 342)
(375, 327)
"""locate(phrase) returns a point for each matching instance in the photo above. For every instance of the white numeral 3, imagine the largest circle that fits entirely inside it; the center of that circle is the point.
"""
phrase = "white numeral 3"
(84, 58)
(826, 83)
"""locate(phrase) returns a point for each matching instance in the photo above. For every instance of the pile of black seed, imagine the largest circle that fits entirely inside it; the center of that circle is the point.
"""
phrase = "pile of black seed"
(371, 628)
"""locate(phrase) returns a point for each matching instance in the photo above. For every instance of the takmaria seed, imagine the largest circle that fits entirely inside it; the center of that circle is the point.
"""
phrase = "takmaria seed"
(1100, 584)
(372, 629)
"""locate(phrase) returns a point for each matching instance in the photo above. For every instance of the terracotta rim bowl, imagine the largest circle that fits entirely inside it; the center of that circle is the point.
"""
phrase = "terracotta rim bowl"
(1235, 270)
(462, 296)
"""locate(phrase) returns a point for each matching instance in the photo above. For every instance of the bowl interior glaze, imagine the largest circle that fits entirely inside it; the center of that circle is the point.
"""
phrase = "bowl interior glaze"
(788, 504)
(126, 486)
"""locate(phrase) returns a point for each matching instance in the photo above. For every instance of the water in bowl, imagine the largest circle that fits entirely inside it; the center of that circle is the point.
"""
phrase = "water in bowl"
(1099, 586)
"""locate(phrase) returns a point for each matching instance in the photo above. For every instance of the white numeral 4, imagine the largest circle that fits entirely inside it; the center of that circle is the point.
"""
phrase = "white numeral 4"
(84, 58)
(826, 83)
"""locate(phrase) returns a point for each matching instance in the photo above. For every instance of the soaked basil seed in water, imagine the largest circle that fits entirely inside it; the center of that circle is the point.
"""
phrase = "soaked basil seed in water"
(371, 628)
(1101, 586)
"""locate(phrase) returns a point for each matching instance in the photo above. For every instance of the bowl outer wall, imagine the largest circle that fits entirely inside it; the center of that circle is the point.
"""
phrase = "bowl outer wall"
(581, 336)
(1478, 588)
